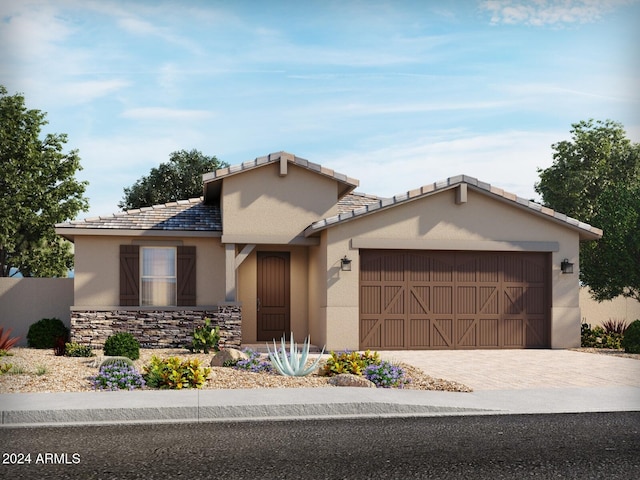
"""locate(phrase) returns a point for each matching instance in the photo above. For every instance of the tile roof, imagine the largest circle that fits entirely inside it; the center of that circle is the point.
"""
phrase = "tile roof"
(275, 157)
(355, 200)
(183, 215)
(429, 189)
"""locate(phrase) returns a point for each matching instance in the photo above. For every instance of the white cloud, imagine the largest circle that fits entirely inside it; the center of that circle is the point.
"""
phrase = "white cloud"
(508, 160)
(549, 12)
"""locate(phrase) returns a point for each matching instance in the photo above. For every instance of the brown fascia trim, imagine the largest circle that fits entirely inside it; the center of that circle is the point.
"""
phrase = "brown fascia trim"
(70, 233)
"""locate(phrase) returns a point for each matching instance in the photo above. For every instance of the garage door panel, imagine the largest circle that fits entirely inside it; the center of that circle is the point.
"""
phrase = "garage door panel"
(370, 332)
(466, 329)
(442, 332)
(466, 301)
(442, 268)
(394, 299)
(419, 332)
(513, 301)
(488, 300)
(370, 300)
(488, 333)
(536, 333)
(419, 267)
(534, 300)
(513, 329)
(444, 300)
(393, 268)
(393, 333)
(419, 300)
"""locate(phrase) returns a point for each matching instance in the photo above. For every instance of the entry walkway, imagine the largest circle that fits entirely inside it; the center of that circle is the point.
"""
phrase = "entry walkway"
(523, 369)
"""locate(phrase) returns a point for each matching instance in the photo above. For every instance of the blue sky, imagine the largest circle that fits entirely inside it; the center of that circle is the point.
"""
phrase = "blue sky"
(395, 93)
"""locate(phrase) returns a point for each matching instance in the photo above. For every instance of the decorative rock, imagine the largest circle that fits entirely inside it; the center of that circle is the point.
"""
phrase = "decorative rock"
(350, 380)
(227, 354)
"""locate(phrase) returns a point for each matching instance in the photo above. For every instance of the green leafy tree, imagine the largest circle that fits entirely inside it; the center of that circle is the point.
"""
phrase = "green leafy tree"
(595, 177)
(38, 189)
(178, 179)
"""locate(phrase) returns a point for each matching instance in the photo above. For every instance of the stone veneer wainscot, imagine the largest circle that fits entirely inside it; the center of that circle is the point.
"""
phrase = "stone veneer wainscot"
(153, 328)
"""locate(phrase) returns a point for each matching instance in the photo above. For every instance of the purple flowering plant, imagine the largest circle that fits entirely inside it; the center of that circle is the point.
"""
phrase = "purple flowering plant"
(256, 363)
(117, 377)
(386, 375)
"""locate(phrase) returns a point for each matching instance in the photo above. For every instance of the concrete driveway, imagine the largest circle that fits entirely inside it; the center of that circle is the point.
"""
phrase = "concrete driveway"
(522, 369)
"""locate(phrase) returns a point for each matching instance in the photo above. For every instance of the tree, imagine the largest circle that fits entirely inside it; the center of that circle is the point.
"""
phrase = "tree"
(595, 178)
(178, 179)
(38, 190)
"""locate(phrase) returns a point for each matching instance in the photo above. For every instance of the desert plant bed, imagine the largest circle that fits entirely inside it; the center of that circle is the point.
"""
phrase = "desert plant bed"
(71, 374)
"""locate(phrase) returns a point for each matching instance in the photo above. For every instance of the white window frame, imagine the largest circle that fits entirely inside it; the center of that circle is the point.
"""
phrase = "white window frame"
(171, 278)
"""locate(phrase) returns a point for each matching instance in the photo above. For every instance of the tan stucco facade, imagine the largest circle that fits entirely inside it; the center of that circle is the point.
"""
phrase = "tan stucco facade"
(276, 206)
(97, 269)
(262, 205)
(438, 223)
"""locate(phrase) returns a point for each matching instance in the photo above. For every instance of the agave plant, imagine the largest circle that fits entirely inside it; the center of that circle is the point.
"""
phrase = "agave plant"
(292, 364)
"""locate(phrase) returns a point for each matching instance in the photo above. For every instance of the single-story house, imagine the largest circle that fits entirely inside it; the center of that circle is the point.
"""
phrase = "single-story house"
(280, 244)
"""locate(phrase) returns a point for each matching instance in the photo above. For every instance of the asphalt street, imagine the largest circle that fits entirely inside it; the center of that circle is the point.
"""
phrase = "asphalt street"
(568, 446)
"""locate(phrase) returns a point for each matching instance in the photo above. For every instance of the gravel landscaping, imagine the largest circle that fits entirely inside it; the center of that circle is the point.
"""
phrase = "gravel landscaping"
(42, 371)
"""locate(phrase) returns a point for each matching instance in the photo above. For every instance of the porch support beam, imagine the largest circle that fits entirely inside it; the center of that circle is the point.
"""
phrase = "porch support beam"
(244, 253)
(230, 272)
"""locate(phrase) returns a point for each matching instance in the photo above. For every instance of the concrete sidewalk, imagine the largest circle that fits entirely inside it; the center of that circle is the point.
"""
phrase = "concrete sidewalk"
(504, 382)
(295, 403)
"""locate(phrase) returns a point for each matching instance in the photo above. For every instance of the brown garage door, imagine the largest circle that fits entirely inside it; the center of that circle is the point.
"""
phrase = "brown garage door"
(454, 300)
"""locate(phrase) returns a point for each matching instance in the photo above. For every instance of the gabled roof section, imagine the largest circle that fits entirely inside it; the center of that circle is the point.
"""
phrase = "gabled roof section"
(211, 181)
(587, 232)
(354, 201)
(191, 215)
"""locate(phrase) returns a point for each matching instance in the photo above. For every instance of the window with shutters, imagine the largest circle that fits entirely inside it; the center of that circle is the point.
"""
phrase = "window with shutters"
(158, 276)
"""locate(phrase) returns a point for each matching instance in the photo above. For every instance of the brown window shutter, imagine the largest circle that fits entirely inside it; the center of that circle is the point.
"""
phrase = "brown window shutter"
(129, 275)
(186, 276)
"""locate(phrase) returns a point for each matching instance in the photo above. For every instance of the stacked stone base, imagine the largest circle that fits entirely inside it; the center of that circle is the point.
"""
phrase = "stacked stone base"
(155, 328)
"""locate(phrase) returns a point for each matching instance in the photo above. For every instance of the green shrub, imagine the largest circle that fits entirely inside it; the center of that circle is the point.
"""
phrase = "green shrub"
(122, 361)
(74, 349)
(205, 338)
(5, 368)
(174, 373)
(46, 332)
(598, 337)
(122, 344)
(349, 362)
(631, 340)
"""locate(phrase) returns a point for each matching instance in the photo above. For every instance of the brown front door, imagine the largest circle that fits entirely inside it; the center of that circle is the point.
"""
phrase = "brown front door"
(273, 295)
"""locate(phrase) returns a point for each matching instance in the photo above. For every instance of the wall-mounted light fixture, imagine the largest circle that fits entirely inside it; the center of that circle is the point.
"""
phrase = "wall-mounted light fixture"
(566, 266)
(345, 264)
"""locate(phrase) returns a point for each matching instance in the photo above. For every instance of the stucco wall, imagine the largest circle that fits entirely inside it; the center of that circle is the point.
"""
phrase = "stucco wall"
(436, 221)
(262, 203)
(98, 268)
(620, 308)
(24, 301)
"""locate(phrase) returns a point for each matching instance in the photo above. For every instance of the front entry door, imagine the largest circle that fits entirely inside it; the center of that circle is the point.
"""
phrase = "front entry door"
(273, 295)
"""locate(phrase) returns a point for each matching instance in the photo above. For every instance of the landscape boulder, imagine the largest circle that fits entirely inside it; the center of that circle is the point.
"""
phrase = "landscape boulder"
(350, 380)
(227, 354)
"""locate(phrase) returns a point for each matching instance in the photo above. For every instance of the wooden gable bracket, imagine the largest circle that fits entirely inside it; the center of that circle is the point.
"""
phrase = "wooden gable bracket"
(232, 262)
